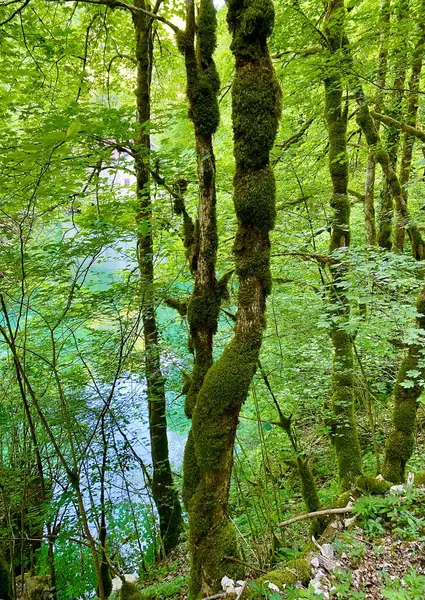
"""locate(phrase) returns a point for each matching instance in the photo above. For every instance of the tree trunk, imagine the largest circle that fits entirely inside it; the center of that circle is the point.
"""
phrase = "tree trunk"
(369, 204)
(392, 134)
(400, 442)
(163, 491)
(336, 111)
(409, 140)
(256, 110)
(201, 239)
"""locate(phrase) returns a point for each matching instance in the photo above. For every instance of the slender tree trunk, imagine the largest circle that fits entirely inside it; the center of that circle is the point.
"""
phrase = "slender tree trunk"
(409, 140)
(163, 491)
(201, 238)
(366, 122)
(256, 110)
(336, 111)
(369, 200)
(104, 566)
(392, 134)
(369, 204)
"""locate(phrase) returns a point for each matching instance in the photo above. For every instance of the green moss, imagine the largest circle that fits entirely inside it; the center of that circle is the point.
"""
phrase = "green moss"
(5, 583)
(130, 591)
(252, 264)
(166, 589)
(254, 194)
(401, 440)
(344, 498)
(204, 110)
(400, 445)
(367, 124)
(191, 473)
(420, 478)
(211, 558)
(225, 388)
(256, 108)
(202, 312)
(308, 485)
(251, 24)
(38, 587)
(293, 571)
(207, 30)
(372, 485)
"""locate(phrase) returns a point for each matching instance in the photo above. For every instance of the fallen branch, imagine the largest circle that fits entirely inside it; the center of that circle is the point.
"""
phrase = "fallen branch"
(317, 513)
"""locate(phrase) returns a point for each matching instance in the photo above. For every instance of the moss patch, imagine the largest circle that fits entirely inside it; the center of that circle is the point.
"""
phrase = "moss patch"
(130, 591)
(166, 589)
(372, 485)
(293, 571)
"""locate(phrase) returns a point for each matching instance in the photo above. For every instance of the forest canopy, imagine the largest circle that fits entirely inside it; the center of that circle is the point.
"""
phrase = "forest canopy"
(212, 299)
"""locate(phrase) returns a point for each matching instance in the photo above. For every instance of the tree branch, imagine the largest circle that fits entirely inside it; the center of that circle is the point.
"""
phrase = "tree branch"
(318, 513)
(403, 126)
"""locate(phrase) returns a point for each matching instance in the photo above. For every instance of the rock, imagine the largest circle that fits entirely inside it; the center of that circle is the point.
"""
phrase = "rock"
(321, 584)
(228, 585)
(117, 581)
(327, 551)
(38, 587)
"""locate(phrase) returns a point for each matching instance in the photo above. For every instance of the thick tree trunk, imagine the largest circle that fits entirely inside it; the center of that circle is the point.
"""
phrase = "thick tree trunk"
(336, 111)
(163, 491)
(400, 442)
(256, 110)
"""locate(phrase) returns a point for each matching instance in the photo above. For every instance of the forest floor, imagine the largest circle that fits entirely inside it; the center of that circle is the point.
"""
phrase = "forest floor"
(378, 555)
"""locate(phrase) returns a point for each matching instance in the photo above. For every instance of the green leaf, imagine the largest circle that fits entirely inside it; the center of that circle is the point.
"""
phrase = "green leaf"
(73, 129)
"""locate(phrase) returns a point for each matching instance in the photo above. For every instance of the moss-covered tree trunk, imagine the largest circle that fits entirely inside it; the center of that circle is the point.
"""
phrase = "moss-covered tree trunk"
(410, 119)
(197, 44)
(369, 203)
(367, 124)
(392, 134)
(163, 491)
(336, 111)
(256, 110)
(400, 442)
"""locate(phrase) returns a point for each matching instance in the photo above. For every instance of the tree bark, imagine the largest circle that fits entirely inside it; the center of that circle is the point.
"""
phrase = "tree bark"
(163, 491)
(400, 442)
(408, 139)
(392, 135)
(369, 204)
(197, 44)
(256, 110)
(336, 111)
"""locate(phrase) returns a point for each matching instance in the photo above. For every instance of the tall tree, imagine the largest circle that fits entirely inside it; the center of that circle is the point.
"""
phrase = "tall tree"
(163, 490)
(336, 111)
(256, 101)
